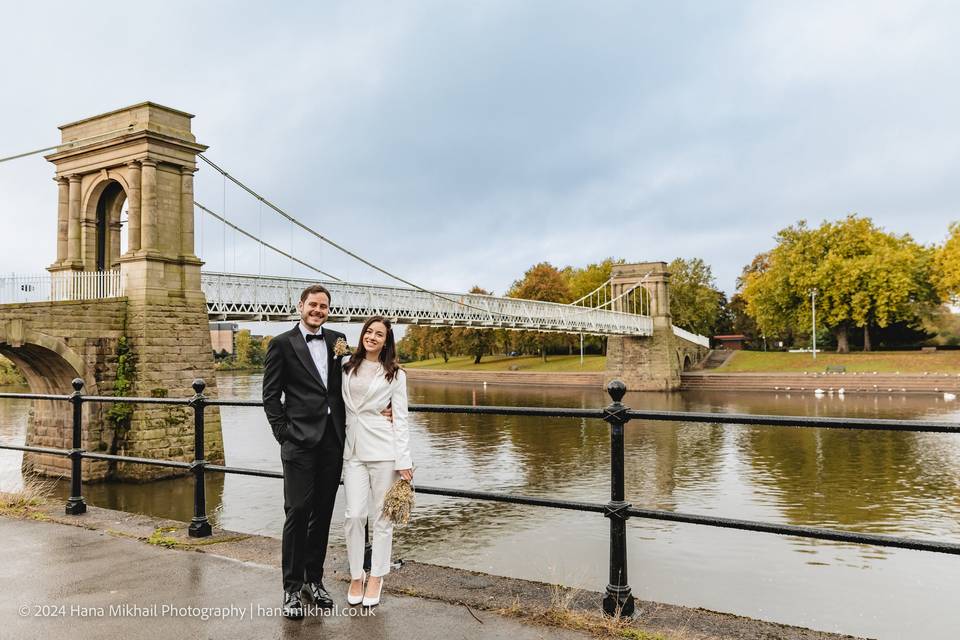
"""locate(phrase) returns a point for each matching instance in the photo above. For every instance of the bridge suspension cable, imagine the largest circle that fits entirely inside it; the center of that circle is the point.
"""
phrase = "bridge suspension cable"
(603, 293)
(328, 240)
(599, 292)
(636, 287)
(66, 145)
(263, 243)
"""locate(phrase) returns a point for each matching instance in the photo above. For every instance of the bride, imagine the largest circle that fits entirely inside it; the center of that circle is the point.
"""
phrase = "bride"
(376, 453)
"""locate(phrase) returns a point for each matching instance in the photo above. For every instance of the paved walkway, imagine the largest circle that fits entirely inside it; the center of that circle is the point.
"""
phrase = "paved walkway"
(64, 581)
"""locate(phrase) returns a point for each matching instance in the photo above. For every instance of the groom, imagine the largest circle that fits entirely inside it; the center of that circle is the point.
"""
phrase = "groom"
(304, 406)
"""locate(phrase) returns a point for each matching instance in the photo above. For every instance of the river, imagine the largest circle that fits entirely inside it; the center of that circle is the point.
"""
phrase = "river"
(892, 483)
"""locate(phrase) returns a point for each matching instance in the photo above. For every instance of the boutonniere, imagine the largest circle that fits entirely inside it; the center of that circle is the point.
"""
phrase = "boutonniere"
(340, 348)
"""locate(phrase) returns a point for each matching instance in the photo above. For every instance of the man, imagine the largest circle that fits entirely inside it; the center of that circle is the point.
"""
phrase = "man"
(304, 406)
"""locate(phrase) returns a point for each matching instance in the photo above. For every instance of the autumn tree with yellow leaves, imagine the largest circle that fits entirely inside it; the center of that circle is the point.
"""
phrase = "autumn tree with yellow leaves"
(864, 277)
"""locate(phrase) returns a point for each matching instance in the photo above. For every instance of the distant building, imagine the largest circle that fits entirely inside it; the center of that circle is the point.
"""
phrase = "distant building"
(223, 337)
(733, 342)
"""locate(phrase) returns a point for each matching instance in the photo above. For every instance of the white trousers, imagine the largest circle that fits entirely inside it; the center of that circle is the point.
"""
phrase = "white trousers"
(365, 484)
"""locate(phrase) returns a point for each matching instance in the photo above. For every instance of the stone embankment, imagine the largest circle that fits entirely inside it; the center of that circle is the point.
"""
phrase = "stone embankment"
(825, 382)
(545, 379)
(702, 381)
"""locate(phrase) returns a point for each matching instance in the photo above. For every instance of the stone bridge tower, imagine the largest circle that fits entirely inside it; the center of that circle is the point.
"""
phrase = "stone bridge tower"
(647, 363)
(137, 319)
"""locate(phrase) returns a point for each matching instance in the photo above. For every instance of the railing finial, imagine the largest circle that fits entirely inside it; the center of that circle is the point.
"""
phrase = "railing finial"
(616, 389)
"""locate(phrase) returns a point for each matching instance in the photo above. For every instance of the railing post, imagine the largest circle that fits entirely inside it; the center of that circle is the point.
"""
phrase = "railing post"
(618, 601)
(75, 503)
(199, 525)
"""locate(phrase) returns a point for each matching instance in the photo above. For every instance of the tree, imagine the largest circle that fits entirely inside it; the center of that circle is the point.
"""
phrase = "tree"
(258, 350)
(241, 346)
(544, 282)
(475, 342)
(581, 281)
(863, 277)
(695, 302)
(585, 280)
(442, 342)
(946, 266)
(738, 321)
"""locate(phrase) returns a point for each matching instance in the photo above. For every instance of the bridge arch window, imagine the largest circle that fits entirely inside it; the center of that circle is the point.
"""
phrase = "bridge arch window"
(107, 212)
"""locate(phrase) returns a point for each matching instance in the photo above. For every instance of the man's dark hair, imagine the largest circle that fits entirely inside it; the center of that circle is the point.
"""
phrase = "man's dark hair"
(314, 288)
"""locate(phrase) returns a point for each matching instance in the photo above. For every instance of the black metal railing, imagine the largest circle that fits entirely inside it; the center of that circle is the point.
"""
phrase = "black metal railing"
(618, 599)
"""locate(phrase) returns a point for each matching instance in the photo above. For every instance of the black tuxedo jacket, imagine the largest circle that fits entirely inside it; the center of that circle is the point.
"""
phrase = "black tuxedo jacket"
(295, 399)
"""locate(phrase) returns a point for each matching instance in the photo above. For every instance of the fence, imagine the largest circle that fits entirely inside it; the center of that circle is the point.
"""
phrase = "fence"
(60, 286)
(618, 599)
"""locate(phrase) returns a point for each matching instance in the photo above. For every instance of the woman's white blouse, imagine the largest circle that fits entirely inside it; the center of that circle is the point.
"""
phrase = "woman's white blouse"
(361, 378)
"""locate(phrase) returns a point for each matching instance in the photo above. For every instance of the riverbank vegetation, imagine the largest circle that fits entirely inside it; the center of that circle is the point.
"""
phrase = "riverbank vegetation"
(862, 280)
(907, 362)
(248, 353)
(9, 374)
(565, 364)
(874, 290)
(696, 305)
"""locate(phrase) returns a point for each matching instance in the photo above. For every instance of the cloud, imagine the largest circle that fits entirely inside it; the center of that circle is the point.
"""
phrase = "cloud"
(457, 144)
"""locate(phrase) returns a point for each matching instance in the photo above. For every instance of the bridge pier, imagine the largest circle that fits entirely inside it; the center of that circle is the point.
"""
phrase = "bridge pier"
(649, 363)
(644, 364)
(135, 322)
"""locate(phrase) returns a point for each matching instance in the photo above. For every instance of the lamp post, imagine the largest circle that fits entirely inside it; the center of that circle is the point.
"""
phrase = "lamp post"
(813, 308)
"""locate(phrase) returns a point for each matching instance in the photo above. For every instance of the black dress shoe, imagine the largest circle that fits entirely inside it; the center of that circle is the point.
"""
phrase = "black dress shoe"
(319, 595)
(292, 605)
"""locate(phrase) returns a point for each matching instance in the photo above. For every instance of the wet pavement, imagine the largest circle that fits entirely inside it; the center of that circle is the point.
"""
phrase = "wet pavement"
(67, 581)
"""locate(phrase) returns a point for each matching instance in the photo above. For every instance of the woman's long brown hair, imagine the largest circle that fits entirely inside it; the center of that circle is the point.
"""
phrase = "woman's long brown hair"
(388, 355)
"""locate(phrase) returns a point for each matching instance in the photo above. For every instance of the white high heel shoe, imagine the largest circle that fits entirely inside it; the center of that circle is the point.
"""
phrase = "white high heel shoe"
(354, 600)
(372, 602)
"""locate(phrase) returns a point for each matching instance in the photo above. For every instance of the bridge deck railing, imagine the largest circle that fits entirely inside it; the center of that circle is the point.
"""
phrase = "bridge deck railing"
(618, 599)
(61, 286)
(239, 296)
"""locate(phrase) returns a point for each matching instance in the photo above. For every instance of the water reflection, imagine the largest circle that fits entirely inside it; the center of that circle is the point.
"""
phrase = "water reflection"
(895, 483)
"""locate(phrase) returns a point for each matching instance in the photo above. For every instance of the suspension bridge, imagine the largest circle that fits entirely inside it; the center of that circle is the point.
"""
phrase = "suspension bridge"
(94, 272)
(242, 297)
(125, 305)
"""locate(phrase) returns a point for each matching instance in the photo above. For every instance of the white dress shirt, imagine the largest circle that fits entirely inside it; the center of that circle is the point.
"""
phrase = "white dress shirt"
(318, 351)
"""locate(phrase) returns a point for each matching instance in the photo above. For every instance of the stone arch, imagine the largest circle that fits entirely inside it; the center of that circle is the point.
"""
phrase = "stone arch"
(687, 363)
(49, 366)
(104, 178)
(48, 363)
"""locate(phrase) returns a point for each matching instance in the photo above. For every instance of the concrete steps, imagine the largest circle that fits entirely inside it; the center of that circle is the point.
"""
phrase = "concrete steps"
(715, 358)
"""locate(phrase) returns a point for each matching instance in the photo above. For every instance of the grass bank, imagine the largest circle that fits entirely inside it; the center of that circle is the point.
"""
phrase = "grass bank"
(565, 364)
(879, 361)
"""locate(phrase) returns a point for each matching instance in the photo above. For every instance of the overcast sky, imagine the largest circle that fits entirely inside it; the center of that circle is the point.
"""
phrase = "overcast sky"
(458, 143)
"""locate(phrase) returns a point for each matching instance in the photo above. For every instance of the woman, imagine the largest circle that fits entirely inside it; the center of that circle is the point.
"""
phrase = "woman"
(376, 452)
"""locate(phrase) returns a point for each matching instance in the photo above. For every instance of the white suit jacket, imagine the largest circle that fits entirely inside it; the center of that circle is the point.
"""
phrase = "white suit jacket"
(370, 435)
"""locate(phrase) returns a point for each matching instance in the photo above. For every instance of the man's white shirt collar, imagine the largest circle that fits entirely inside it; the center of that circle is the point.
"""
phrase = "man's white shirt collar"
(304, 332)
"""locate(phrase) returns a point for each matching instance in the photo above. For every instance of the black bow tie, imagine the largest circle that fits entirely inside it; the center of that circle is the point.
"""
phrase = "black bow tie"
(313, 336)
